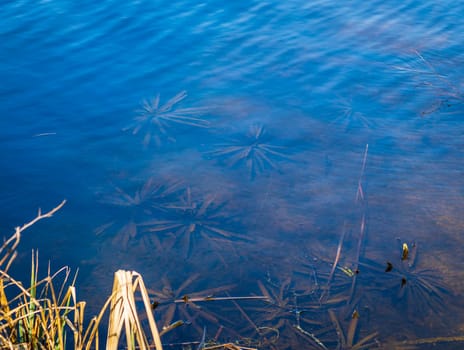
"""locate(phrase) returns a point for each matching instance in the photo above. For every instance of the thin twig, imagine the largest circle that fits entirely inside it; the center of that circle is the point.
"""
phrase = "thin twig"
(41, 216)
(298, 327)
(187, 299)
(458, 338)
(9, 246)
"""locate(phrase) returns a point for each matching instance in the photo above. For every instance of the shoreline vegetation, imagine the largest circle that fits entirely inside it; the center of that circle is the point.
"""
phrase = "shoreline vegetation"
(45, 315)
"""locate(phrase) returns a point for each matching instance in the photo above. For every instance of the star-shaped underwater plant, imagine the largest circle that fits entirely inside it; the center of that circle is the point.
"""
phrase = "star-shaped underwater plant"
(254, 150)
(156, 120)
(176, 307)
(190, 220)
(415, 291)
(350, 118)
(136, 206)
(445, 90)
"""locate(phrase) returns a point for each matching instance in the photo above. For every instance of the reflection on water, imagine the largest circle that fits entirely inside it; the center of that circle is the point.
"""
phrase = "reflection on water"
(256, 184)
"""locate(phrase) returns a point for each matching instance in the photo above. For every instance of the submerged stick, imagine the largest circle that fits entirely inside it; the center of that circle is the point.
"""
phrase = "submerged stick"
(229, 346)
(187, 299)
(298, 327)
(458, 338)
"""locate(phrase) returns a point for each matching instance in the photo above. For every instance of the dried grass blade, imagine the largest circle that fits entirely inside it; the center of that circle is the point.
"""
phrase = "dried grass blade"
(123, 313)
(338, 329)
(364, 342)
(334, 266)
(352, 327)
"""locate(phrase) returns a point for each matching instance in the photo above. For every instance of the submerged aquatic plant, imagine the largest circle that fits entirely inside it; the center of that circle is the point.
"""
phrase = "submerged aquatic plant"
(422, 290)
(253, 150)
(177, 307)
(164, 299)
(350, 118)
(444, 88)
(279, 322)
(155, 120)
(280, 301)
(417, 291)
(136, 207)
(153, 195)
(189, 219)
(347, 341)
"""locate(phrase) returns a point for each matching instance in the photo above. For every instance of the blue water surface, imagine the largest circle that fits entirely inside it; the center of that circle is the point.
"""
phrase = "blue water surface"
(242, 144)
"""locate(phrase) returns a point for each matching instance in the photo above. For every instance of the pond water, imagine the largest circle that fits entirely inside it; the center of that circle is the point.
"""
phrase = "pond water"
(289, 149)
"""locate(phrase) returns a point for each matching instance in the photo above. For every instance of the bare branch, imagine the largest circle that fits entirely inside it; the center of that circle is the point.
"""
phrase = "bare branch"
(41, 216)
(8, 248)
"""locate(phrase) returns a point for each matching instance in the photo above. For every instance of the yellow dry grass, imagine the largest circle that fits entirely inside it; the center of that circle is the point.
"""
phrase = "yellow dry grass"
(43, 315)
